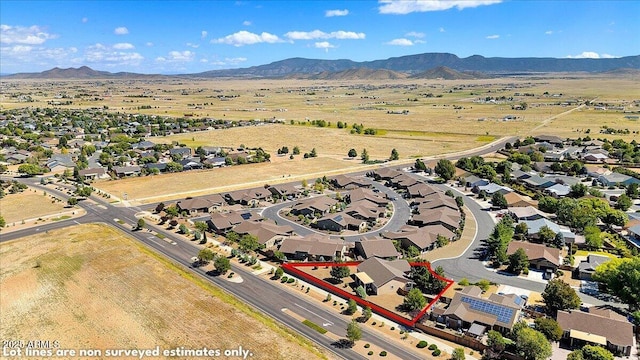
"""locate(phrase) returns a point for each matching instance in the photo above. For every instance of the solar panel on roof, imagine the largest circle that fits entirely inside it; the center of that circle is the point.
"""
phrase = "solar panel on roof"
(502, 313)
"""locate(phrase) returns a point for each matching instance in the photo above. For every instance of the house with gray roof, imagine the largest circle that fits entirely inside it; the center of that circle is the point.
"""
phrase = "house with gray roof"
(615, 179)
(587, 267)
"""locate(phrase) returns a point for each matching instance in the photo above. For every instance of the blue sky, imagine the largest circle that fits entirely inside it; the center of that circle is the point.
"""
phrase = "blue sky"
(195, 36)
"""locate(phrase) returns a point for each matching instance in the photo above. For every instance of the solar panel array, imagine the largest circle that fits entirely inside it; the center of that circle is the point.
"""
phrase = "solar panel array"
(502, 313)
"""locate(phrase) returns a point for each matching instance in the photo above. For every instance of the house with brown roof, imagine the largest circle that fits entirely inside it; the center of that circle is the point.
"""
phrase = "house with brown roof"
(468, 307)
(540, 256)
(309, 207)
(339, 222)
(598, 327)
(313, 247)
(525, 213)
(423, 238)
(403, 181)
(516, 200)
(285, 191)
(379, 276)
(450, 220)
(349, 182)
(385, 174)
(268, 233)
(376, 247)
(421, 190)
(94, 173)
(358, 195)
(196, 205)
(221, 223)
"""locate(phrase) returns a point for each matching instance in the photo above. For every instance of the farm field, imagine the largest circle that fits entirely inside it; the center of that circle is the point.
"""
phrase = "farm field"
(56, 286)
(29, 204)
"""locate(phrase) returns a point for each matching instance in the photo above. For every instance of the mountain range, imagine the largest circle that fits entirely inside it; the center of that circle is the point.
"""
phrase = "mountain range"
(427, 65)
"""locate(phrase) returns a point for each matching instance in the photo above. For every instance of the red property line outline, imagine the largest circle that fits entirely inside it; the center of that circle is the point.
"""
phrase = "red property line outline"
(292, 268)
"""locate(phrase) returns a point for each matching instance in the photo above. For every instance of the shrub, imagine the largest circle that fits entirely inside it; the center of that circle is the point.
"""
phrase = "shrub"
(367, 345)
(436, 352)
(290, 280)
(393, 328)
(383, 353)
(370, 353)
(373, 323)
(422, 344)
(433, 347)
(284, 279)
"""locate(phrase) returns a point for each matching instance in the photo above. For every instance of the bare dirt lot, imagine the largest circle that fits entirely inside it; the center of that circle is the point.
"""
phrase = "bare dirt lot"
(91, 286)
(29, 204)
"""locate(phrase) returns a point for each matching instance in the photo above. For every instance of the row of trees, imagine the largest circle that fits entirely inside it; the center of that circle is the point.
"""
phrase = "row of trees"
(364, 155)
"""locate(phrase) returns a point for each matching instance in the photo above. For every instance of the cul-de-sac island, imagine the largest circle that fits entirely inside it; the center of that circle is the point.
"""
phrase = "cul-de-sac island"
(420, 207)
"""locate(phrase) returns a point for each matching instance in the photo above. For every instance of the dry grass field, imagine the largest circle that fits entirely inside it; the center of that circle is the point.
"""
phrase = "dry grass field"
(29, 204)
(56, 286)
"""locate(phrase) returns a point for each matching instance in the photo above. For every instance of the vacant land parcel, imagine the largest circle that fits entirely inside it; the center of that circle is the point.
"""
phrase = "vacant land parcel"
(90, 286)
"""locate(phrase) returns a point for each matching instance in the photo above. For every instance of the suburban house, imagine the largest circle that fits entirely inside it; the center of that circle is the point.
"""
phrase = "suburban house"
(379, 276)
(420, 190)
(181, 152)
(349, 182)
(122, 171)
(385, 174)
(597, 327)
(525, 213)
(615, 179)
(469, 308)
(313, 247)
(472, 181)
(309, 207)
(382, 248)
(558, 190)
(540, 256)
(534, 226)
(358, 195)
(339, 222)
(94, 173)
(587, 267)
(446, 218)
(268, 233)
(285, 191)
(491, 189)
(198, 205)
(423, 238)
(221, 223)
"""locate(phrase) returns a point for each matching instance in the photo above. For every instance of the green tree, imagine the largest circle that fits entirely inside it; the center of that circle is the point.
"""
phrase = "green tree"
(518, 262)
(172, 211)
(30, 169)
(498, 200)
(296, 150)
(279, 272)
(499, 239)
(624, 202)
(458, 354)
(183, 229)
(249, 242)
(222, 264)
(546, 235)
(354, 333)
(622, 279)
(202, 227)
(483, 284)
(313, 153)
(420, 165)
(558, 295)
(361, 292)
(340, 272)
(205, 255)
(549, 327)
(352, 307)
(593, 237)
(521, 230)
(496, 345)
(414, 300)
(591, 352)
(352, 153)
(3, 223)
(633, 191)
(445, 169)
(394, 155)
(578, 190)
(366, 314)
(159, 207)
(364, 156)
(140, 224)
(72, 201)
(532, 345)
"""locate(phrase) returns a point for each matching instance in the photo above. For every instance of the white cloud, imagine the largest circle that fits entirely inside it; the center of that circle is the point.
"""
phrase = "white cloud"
(400, 42)
(317, 34)
(331, 13)
(592, 55)
(111, 56)
(192, 45)
(123, 46)
(441, 29)
(84, 20)
(323, 45)
(492, 37)
(246, 23)
(203, 34)
(415, 34)
(149, 43)
(177, 56)
(548, 32)
(32, 35)
(401, 7)
(229, 61)
(121, 30)
(243, 37)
